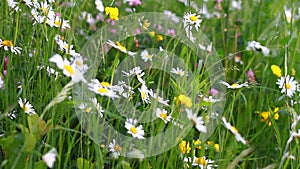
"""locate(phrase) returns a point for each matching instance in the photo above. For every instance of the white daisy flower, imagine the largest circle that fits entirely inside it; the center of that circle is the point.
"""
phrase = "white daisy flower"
(85, 107)
(179, 72)
(58, 22)
(26, 106)
(208, 99)
(114, 147)
(136, 132)
(103, 88)
(206, 48)
(99, 5)
(13, 5)
(158, 98)
(7, 44)
(198, 121)
(124, 89)
(146, 56)
(287, 85)
(163, 114)
(50, 157)
(256, 46)
(1, 82)
(134, 71)
(234, 85)
(144, 93)
(28, 3)
(70, 70)
(120, 47)
(192, 19)
(234, 131)
(201, 162)
(98, 106)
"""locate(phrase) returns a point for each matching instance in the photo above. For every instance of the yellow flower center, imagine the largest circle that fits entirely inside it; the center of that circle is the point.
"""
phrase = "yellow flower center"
(133, 130)
(45, 10)
(78, 63)
(102, 90)
(163, 115)
(25, 108)
(143, 95)
(235, 130)
(118, 148)
(193, 18)
(69, 69)
(57, 23)
(88, 109)
(121, 46)
(149, 56)
(234, 85)
(7, 43)
(201, 161)
(106, 84)
(287, 86)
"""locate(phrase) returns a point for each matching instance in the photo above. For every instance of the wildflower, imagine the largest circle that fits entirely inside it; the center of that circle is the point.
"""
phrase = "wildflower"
(50, 157)
(179, 72)
(256, 46)
(163, 114)
(70, 70)
(266, 115)
(184, 147)
(7, 44)
(192, 19)
(234, 131)
(198, 121)
(184, 100)
(97, 106)
(120, 47)
(251, 76)
(197, 144)
(113, 12)
(276, 70)
(85, 108)
(13, 5)
(103, 88)
(158, 98)
(134, 71)
(1, 82)
(145, 56)
(124, 89)
(144, 93)
(137, 132)
(134, 2)
(209, 99)
(99, 5)
(58, 22)
(114, 147)
(213, 92)
(201, 162)
(26, 106)
(287, 85)
(12, 115)
(234, 85)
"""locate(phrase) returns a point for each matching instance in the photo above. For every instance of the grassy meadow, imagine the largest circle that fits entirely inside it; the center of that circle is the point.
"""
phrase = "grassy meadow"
(147, 84)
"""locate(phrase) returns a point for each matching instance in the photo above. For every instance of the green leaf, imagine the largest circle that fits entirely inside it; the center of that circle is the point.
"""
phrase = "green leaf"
(84, 164)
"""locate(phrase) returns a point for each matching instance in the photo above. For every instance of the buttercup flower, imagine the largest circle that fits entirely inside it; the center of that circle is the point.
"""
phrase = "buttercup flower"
(266, 115)
(136, 132)
(184, 147)
(287, 85)
(184, 100)
(113, 12)
(276, 70)
(26, 106)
